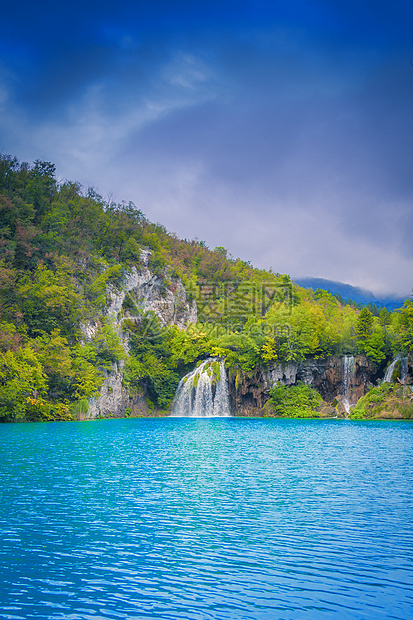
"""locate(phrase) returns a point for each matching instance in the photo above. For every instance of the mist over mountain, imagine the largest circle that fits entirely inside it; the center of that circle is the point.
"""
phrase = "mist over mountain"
(359, 295)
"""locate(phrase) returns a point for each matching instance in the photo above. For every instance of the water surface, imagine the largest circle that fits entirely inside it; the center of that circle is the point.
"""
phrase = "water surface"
(206, 519)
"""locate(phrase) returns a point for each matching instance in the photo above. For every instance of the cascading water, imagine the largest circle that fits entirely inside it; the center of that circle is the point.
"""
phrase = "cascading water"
(388, 376)
(348, 370)
(404, 369)
(203, 393)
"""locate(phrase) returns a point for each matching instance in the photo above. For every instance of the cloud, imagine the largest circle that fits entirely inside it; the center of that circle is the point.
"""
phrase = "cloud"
(282, 133)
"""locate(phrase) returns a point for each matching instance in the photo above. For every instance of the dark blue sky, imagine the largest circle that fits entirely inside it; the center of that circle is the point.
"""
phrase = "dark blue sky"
(280, 130)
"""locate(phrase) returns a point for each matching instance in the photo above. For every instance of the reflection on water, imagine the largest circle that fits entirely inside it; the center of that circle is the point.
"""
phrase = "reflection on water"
(206, 518)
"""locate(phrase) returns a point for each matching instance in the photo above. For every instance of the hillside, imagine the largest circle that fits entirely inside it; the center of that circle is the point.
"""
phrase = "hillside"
(346, 292)
(95, 298)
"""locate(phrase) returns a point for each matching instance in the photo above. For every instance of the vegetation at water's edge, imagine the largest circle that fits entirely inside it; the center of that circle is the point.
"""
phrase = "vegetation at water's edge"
(387, 401)
(63, 250)
(296, 401)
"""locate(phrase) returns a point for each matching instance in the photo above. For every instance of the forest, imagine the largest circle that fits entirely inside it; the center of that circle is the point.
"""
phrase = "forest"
(63, 248)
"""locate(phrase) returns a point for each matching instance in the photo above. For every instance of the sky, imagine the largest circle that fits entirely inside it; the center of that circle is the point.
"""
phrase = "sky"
(281, 130)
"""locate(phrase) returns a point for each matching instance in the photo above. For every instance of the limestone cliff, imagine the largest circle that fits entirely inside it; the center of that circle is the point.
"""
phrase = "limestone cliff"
(250, 391)
(144, 292)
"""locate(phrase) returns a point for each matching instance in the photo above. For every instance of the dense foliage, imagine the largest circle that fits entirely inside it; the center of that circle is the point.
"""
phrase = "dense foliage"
(63, 250)
(297, 401)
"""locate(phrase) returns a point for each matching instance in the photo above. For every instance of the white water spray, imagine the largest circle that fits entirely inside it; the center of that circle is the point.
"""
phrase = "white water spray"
(348, 370)
(203, 393)
(404, 369)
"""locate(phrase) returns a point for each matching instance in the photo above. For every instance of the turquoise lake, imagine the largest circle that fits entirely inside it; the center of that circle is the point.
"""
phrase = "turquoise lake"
(206, 519)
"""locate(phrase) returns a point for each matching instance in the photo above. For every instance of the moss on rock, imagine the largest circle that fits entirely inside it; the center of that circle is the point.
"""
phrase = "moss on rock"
(385, 402)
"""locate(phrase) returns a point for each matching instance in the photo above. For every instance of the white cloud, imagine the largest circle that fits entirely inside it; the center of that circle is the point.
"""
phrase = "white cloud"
(187, 71)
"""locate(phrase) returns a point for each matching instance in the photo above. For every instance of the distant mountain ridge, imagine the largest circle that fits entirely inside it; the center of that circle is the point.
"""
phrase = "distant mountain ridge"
(355, 293)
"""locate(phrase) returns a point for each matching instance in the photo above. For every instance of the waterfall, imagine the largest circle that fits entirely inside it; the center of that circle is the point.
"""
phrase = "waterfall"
(388, 376)
(404, 369)
(348, 370)
(203, 393)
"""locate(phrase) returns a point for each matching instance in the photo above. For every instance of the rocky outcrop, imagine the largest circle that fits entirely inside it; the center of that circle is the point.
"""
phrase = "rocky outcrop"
(249, 392)
(114, 401)
(140, 291)
(328, 377)
(149, 293)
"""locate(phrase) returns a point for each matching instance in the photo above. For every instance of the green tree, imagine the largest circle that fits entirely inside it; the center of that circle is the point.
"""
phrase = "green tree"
(41, 186)
(49, 300)
(370, 336)
(22, 383)
(364, 324)
(405, 325)
(374, 346)
(108, 346)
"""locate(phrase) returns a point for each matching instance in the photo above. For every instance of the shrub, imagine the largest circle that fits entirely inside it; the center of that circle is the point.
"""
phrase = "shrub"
(297, 401)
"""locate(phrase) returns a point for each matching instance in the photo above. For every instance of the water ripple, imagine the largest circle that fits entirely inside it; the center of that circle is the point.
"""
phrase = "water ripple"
(197, 519)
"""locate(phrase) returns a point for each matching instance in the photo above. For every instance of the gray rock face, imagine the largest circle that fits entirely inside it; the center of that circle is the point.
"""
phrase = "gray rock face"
(286, 375)
(146, 292)
(250, 391)
(113, 400)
